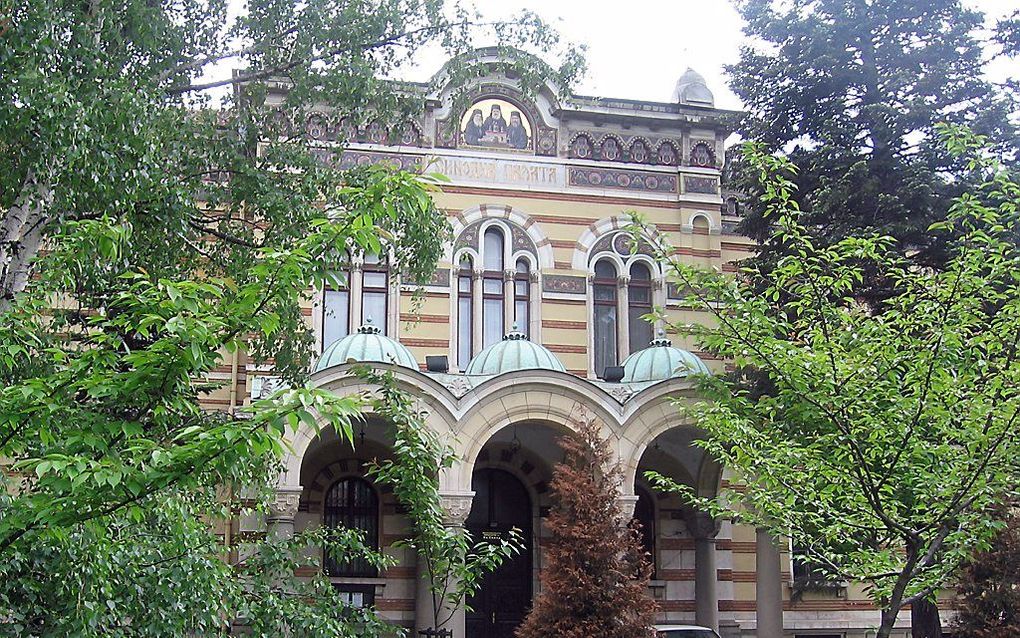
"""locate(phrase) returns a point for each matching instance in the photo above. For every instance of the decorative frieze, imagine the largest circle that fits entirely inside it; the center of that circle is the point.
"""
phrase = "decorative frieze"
(564, 284)
(621, 179)
(699, 184)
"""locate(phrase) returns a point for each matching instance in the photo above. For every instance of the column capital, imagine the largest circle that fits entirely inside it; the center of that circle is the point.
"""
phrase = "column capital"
(509, 275)
(627, 505)
(623, 281)
(701, 525)
(456, 507)
(284, 505)
(477, 275)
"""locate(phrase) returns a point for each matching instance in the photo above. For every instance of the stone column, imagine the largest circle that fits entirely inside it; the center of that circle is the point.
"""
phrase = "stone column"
(456, 507)
(768, 588)
(354, 286)
(627, 505)
(509, 302)
(477, 312)
(623, 318)
(283, 509)
(704, 529)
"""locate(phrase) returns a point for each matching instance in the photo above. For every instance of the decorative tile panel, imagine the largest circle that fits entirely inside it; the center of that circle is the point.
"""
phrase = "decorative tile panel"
(622, 180)
(696, 184)
(564, 283)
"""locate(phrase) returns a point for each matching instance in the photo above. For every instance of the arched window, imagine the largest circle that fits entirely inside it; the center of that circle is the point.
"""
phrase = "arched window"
(375, 286)
(639, 302)
(336, 308)
(522, 294)
(605, 315)
(644, 513)
(494, 287)
(493, 312)
(352, 503)
(465, 312)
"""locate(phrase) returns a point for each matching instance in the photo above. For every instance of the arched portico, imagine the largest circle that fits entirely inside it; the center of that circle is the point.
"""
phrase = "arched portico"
(511, 422)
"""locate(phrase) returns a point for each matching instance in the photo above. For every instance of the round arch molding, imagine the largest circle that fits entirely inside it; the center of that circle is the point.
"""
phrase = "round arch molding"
(525, 231)
(600, 229)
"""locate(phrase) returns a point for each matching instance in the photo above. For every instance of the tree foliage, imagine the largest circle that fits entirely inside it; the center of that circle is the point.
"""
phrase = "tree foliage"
(454, 562)
(988, 588)
(875, 439)
(595, 581)
(184, 219)
(853, 91)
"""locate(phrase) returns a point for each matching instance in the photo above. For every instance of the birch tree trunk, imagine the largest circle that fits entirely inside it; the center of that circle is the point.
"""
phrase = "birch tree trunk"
(22, 228)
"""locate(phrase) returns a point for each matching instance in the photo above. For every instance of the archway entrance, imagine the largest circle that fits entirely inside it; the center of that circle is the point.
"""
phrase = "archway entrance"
(501, 502)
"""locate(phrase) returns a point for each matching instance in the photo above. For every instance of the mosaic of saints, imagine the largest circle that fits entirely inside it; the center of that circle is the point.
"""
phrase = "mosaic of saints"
(495, 131)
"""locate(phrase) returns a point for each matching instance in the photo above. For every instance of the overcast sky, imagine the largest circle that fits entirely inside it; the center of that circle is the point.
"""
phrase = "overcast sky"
(638, 48)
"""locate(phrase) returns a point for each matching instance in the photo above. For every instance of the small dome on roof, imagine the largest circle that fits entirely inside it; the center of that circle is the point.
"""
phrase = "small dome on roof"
(365, 345)
(692, 89)
(514, 352)
(661, 361)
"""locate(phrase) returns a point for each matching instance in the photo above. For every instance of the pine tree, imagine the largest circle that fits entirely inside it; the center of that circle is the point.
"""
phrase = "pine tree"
(596, 579)
(988, 603)
(853, 91)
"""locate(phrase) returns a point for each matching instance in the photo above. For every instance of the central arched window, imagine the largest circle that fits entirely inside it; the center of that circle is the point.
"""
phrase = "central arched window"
(605, 315)
(639, 303)
(493, 312)
(351, 503)
(496, 287)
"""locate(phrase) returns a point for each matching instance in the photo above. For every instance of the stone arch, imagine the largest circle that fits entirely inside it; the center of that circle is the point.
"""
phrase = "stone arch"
(581, 146)
(611, 144)
(640, 150)
(558, 400)
(518, 222)
(440, 405)
(713, 227)
(329, 474)
(654, 413)
(600, 229)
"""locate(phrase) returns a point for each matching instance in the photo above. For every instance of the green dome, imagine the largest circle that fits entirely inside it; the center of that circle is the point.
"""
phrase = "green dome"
(366, 344)
(514, 352)
(661, 361)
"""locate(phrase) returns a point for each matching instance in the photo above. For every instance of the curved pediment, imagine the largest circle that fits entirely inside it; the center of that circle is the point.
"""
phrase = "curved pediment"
(496, 116)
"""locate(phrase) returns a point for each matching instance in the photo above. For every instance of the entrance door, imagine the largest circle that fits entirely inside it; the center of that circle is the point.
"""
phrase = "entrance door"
(500, 503)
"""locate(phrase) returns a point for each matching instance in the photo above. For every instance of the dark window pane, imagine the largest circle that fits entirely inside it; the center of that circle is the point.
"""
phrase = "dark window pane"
(352, 503)
(640, 271)
(605, 293)
(605, 269)
(640, 330)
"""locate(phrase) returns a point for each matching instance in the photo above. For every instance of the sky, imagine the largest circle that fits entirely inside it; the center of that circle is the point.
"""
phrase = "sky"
(637, 49)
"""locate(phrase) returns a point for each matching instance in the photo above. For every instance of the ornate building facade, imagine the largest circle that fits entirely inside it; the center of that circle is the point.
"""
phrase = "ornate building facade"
(537, 308)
